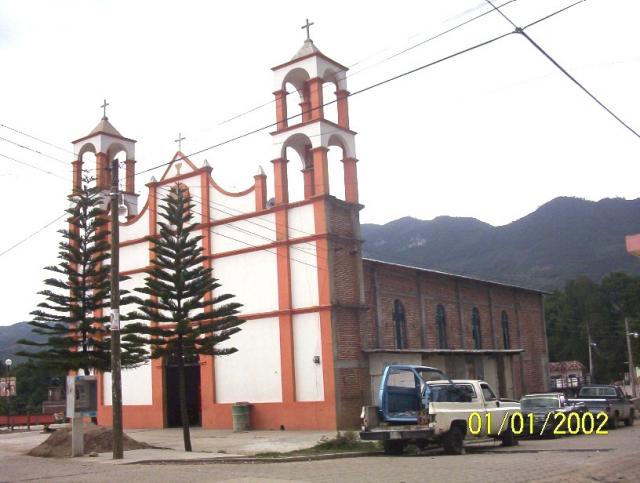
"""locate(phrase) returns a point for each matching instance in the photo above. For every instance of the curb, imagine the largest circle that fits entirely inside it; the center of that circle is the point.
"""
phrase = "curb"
(254, 460)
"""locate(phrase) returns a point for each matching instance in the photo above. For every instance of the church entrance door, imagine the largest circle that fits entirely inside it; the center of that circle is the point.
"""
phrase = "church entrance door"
(192, 383)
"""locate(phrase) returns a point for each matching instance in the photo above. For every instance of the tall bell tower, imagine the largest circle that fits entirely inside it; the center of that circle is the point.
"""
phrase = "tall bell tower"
(336, 234)
(106, 143)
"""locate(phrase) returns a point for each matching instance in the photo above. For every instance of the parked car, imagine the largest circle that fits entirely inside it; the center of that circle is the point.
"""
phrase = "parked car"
(608, 399)
(546, 414)
(421, 405)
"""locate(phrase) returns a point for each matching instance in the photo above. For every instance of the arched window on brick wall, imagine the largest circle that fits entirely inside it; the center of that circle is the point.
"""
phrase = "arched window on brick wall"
(399, 325)
(506, 340)
(441, 326)
(475, 328)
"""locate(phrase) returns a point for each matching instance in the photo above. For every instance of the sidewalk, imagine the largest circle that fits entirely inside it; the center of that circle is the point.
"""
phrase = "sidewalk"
(207, 444)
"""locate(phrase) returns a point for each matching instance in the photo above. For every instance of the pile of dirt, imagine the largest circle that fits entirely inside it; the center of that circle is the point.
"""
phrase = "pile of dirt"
(96, 439)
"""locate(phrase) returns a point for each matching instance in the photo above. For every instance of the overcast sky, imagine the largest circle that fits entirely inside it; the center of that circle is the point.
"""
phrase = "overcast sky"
(492, 134)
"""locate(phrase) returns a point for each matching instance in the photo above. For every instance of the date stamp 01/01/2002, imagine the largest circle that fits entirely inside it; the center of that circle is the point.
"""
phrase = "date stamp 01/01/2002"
(531, 424)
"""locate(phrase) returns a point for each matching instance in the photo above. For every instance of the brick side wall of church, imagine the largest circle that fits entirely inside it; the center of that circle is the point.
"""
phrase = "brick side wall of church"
(523, 308)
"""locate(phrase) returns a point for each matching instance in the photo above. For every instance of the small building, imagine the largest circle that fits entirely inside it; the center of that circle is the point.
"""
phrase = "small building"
(567, 375)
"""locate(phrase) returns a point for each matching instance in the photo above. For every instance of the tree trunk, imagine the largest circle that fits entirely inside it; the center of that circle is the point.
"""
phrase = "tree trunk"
(184, 414)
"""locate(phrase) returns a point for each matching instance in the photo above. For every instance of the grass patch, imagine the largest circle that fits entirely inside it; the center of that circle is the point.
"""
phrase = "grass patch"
(345, 442)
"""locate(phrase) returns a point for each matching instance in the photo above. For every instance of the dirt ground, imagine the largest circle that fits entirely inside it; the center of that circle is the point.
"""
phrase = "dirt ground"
(96, 439)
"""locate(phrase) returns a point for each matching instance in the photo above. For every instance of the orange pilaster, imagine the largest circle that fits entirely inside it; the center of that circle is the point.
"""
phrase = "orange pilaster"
(343, 108)
(281, 109)
(315, 97)
(77, 175)
(281, 184)
(350, 180)
(261, 191)
(130, 173)
(102, 171)
(320, 171)
(305, 105)
(307, 174)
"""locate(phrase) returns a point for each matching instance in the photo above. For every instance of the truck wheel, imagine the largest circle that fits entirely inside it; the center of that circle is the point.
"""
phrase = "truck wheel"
(453, 441)
(393, 446)
(629, 420)
(613, 421)
(508, 438)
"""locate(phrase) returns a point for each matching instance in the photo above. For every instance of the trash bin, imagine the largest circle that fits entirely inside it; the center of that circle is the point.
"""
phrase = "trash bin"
(240, 414)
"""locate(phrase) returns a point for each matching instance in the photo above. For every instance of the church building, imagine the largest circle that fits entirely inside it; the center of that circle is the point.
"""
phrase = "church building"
(321, 321)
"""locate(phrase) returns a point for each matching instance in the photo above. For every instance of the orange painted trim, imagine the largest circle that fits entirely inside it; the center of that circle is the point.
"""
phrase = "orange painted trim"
(259, 248)
(138, 216)
(134, 271)
(133, 241)
(231, 193)
(179, 156)
(277, 313)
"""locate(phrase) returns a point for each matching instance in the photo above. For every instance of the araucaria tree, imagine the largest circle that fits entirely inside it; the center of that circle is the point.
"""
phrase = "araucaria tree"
(187, 317)
(73, 316)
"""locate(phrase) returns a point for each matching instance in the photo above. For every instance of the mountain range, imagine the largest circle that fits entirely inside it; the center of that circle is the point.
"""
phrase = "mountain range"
(562, 239)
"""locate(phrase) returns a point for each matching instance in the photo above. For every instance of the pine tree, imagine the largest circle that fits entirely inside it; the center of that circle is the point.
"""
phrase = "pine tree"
(185, 318)
(72, 317)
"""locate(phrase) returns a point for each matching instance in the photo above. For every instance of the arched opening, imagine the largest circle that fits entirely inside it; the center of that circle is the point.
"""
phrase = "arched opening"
(475, 328)
(336, 154)
(399, 325)
(297, 95)
(118, 152)
(441, 326)
(297, 150)
(89, 169)
(329, 95)
(504, 322)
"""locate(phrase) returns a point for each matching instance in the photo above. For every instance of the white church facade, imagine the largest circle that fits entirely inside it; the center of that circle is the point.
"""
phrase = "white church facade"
(317, 331)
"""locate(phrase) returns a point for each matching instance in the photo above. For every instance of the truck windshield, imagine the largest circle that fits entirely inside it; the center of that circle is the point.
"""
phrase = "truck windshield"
(597, 392)
(539, 402)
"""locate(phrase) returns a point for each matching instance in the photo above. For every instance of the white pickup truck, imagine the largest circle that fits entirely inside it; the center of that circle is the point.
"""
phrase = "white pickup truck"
(421, 405)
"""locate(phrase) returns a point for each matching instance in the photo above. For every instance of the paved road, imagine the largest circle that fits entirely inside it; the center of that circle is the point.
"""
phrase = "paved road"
(614, 457)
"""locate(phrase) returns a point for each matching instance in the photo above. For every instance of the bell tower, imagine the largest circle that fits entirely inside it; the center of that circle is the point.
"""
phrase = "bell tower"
(310, 134)
(106, 143)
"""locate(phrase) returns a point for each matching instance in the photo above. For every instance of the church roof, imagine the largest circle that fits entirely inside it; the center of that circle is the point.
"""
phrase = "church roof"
(307, 49)
(105, 127)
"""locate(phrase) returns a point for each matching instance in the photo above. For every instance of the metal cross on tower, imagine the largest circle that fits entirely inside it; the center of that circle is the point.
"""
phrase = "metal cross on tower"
(307, 25)
(104, 109)
(179, 141)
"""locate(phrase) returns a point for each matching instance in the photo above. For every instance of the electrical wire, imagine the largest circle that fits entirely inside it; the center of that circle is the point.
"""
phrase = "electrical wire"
(521, 31)
(36, 138)
(32, 234)
(34, 167)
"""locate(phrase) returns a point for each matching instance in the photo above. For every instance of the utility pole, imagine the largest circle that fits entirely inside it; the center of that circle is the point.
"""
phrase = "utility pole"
(632, 367)
(116, 383)
(590, 354)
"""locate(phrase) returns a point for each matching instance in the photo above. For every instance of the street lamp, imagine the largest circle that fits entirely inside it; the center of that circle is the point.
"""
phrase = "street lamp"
(7, 364)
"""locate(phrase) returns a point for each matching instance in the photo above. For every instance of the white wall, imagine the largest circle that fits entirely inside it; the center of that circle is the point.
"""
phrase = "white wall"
(301, 221)
(304, 275)
(242, 234)
(136, 386)
(253, 373)
(134, 256)
(224, 206)
(252, 278)
(307, 343)
(138, 229)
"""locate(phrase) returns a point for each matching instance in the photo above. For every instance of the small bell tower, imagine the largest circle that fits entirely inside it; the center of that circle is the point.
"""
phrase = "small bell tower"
(105, 141)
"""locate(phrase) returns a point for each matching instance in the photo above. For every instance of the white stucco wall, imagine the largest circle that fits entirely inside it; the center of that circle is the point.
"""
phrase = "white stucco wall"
(252, 278)
(138, 229)
(301, 221)
(224, 206)
(242, 234)
(134, 256)
(136, 386)
(253, 373)
(307, 343)
(304, 275)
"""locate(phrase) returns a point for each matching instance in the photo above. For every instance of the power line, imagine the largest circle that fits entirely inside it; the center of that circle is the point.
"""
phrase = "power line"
(34, 167)
(32, 235)
(350, 75)
(34, 150)
(521, 31)
(36, 138)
